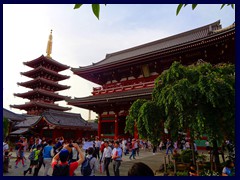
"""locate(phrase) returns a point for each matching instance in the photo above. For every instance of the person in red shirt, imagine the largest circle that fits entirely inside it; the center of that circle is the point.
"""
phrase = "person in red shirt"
(63, 156)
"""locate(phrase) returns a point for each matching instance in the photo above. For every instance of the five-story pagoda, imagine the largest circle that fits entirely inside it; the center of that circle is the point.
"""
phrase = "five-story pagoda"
(44, 84)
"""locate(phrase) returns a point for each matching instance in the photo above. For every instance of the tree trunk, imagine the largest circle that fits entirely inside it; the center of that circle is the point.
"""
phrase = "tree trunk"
(215, 152)
(193, 153)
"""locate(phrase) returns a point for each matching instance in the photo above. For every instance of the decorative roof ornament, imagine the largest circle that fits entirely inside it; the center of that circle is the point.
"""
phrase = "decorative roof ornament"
(49, 46)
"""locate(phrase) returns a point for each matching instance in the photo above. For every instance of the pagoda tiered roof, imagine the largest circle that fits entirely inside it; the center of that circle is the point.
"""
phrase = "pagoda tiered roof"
(30, 94)
(43, 70)
(41, 104)
(41, 81)
(43, 60)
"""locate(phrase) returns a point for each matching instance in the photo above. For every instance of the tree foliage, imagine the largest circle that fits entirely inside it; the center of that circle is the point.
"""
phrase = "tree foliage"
(195, 5)
(96, 8)
(133, 115)
(149, 122)
(6, 125)
(199, 98)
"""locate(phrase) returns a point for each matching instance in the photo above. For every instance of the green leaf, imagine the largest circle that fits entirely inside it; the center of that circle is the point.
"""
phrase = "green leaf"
(232, 5)
(222, 6)
(77, 6)
(194, 6)
(96, 9)
(179, 8)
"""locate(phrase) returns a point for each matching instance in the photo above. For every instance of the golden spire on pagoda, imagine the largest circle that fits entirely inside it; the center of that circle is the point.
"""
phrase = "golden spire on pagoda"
(49, 46)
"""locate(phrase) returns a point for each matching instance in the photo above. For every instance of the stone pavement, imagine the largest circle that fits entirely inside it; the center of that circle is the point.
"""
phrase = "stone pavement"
(153, 161)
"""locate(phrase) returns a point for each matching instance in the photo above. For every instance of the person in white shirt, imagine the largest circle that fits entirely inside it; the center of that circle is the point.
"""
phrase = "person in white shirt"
(107, 155)
(5, 147)
(97, 146)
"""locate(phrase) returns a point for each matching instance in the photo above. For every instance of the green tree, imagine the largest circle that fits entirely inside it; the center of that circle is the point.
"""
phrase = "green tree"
(132, 118)
(6, 125)
(198, 98)
(150, 122)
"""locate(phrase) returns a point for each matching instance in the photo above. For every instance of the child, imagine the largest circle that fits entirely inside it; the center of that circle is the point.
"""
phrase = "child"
(192, 171)
(6, 161)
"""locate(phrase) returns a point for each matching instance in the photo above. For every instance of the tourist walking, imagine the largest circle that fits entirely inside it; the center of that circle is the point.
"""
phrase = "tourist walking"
(161, 146)
(168, 146)
(117, 158)
(134, 146)
(34, 160)
(106, 158)
(97, 147)
(5, 147)
(48, 154)
(92, 160)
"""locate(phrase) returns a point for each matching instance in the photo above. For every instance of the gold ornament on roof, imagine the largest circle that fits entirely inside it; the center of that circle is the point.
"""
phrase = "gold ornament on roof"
(49, 46)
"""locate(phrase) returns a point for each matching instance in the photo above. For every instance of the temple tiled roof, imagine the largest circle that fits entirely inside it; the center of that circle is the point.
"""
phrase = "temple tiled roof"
(45, 59)
(43, 92)
(12, 116)
(20, 131)
(33, 73)
(40, 104)
(30, 83)
(94, 126)
(30, 121)
(65, 119)
(153, 47)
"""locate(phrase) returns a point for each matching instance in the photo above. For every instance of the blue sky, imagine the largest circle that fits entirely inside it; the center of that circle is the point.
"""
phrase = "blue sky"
(80, 39)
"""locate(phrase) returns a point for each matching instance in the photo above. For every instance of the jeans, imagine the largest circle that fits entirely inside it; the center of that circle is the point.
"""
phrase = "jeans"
(133, 154)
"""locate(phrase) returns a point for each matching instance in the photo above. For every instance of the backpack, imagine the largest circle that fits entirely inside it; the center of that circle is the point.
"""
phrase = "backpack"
(32, 155)
(60, 170)
(86, 169)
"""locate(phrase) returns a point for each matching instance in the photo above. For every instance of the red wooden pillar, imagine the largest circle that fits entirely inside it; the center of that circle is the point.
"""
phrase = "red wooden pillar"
(135, 135)
(116, 126)
(99, 125)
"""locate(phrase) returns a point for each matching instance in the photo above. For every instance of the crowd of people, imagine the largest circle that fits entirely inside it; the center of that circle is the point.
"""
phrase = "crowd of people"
(64, 157)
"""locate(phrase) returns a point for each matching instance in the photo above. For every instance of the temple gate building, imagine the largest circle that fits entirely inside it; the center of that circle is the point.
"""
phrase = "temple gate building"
(128, 75)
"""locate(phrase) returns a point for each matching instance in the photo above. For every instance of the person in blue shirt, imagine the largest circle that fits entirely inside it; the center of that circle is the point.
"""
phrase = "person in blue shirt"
(117, 158)
(228, 170)
(48, 153)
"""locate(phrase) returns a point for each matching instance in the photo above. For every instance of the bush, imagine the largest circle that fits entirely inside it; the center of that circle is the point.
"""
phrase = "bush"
(186, 156)
(206, 172)
(183, 173)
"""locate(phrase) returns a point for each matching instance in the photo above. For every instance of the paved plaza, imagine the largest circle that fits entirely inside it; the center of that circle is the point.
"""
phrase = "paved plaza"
(153, 161)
